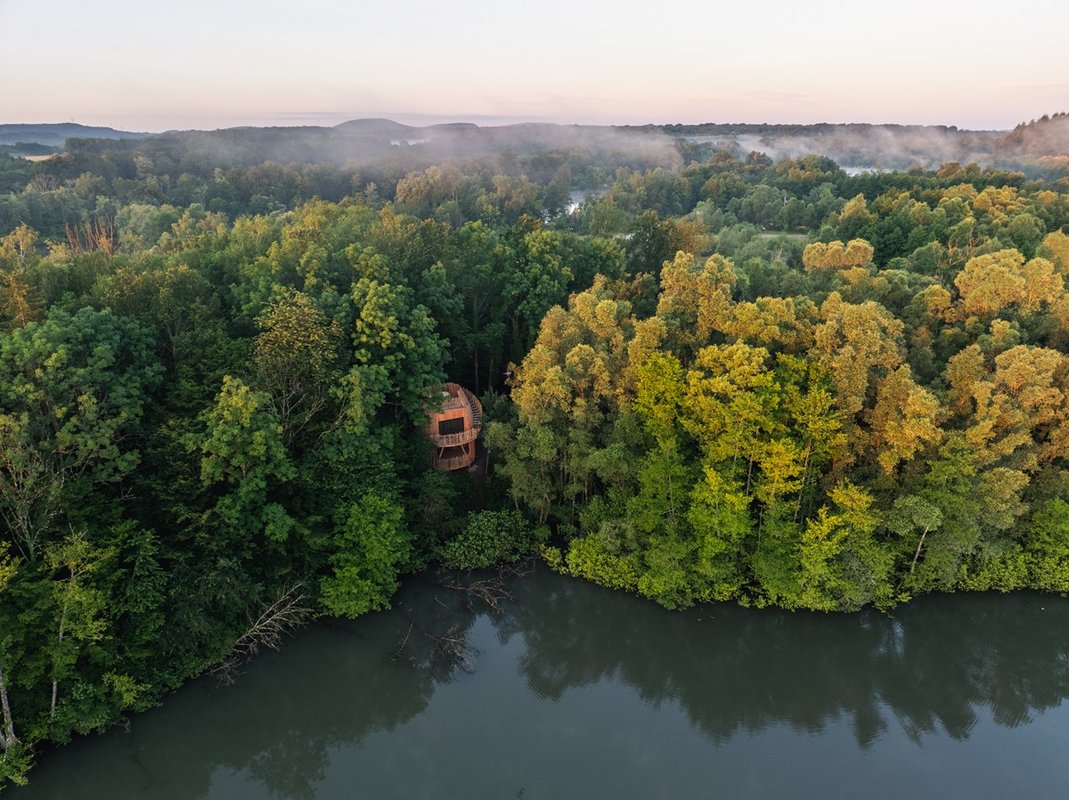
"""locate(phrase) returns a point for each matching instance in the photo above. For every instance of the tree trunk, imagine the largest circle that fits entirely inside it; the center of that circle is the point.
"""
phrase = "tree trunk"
(917, 555)
(59, 643)
(805, 477)
(7, 736)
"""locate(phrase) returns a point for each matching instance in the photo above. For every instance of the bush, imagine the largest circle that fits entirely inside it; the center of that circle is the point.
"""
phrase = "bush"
(588, 558)
(490, 537)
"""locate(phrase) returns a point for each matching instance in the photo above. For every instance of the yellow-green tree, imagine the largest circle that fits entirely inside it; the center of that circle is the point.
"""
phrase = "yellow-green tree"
(695, 300)
(905, 420)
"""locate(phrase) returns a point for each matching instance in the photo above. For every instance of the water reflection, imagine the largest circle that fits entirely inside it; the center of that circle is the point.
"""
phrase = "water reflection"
(933, 663)
(928, 671)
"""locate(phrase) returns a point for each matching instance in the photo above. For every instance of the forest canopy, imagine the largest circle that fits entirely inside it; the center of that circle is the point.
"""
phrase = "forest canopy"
(707, 376)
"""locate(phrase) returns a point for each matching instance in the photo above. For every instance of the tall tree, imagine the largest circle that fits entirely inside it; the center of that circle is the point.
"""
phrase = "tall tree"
(72, 390)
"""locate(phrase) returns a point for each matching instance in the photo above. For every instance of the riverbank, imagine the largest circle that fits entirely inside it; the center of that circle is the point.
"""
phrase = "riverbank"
(573, 690)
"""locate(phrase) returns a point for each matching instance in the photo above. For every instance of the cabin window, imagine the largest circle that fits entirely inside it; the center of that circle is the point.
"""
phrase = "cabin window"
(448, 426)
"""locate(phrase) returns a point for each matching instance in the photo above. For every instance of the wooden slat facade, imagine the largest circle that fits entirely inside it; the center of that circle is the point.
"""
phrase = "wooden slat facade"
(455, 450)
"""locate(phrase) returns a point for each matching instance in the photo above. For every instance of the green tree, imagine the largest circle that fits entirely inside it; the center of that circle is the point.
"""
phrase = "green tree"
(909, 515)
(80, 606)
(843, 565)
(72, 390)
(8, 740)
(294, 359)
(242, 453)
(489, 538)
(719, 514)
(370, 545)
(397, 352)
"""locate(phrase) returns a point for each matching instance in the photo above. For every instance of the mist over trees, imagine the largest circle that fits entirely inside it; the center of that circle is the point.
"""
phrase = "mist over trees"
(707, 375)
(1046, 136)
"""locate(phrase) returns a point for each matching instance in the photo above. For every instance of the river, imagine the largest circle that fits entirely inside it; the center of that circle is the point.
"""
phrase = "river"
(573, 691)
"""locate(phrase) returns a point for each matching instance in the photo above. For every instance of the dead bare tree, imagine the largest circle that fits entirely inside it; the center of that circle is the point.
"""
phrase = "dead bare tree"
(449, 649)
(280, 619)
(93, 235)
(476, 594)
(521, 569)
(489, 591)
(43, 182)
(492, 591)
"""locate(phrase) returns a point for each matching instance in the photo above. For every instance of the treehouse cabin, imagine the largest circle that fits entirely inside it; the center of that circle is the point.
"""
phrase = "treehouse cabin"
(454, 428)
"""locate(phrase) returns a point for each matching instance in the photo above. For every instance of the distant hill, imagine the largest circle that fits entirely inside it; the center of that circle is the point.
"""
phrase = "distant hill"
(1046, 136)
(852, 145)
(380, 141)
(55, 134)
(364, 141)
(374, 127)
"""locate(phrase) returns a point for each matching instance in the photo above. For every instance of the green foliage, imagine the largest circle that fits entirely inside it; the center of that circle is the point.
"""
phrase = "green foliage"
(1047, 547)
(15, 763)
(72, 391)
(489, 538)
(722, 379)
(588, 558)
(396, 345)
(370, 544)
(843, 567)
(243, 454)
(859, 427)
(719, 515)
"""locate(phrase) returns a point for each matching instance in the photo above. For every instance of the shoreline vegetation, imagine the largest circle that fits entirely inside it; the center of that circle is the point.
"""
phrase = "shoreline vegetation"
(720, 376)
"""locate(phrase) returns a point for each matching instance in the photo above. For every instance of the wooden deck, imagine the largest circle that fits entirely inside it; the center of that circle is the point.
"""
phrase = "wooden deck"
(458, 405)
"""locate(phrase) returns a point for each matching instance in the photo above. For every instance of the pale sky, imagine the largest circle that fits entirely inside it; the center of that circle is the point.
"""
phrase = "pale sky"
(147, 65)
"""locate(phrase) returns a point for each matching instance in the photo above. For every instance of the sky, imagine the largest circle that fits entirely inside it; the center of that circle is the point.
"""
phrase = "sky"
(150, 66)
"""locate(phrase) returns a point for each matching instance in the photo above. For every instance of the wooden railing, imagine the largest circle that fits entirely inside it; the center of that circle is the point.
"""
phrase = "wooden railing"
(457, 462)
(463, 399)
(450, 403)
(476, 409)
(456, 439)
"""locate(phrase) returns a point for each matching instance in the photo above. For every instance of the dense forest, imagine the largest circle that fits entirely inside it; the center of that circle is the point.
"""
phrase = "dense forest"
(706, 376)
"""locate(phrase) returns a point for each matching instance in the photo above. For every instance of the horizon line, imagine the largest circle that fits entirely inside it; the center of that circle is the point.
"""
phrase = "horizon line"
(314, 119)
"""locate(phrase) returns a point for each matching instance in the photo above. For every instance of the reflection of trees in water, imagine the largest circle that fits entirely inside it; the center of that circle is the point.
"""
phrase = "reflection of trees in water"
(313, 698)
(960, 653)
(336, 685)
(933, 664)
(930, 666)
(353, 691)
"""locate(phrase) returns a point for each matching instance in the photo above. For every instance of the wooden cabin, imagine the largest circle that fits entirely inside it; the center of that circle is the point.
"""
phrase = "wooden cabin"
(454, 428)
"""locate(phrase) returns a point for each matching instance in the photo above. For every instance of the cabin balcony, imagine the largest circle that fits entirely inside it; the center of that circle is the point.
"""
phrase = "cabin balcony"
(454, 427)
(456, 439)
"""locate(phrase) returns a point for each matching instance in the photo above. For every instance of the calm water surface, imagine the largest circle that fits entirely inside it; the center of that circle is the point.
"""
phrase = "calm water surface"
(571, 691)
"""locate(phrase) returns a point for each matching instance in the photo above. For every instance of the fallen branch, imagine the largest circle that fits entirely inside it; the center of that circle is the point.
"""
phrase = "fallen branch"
(400, 648)
(521, 569)
(489, 591)
(453, 646)
(280, 619)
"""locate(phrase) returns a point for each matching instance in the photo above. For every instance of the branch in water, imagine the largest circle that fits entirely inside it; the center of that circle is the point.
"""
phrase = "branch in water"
(280, 619)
